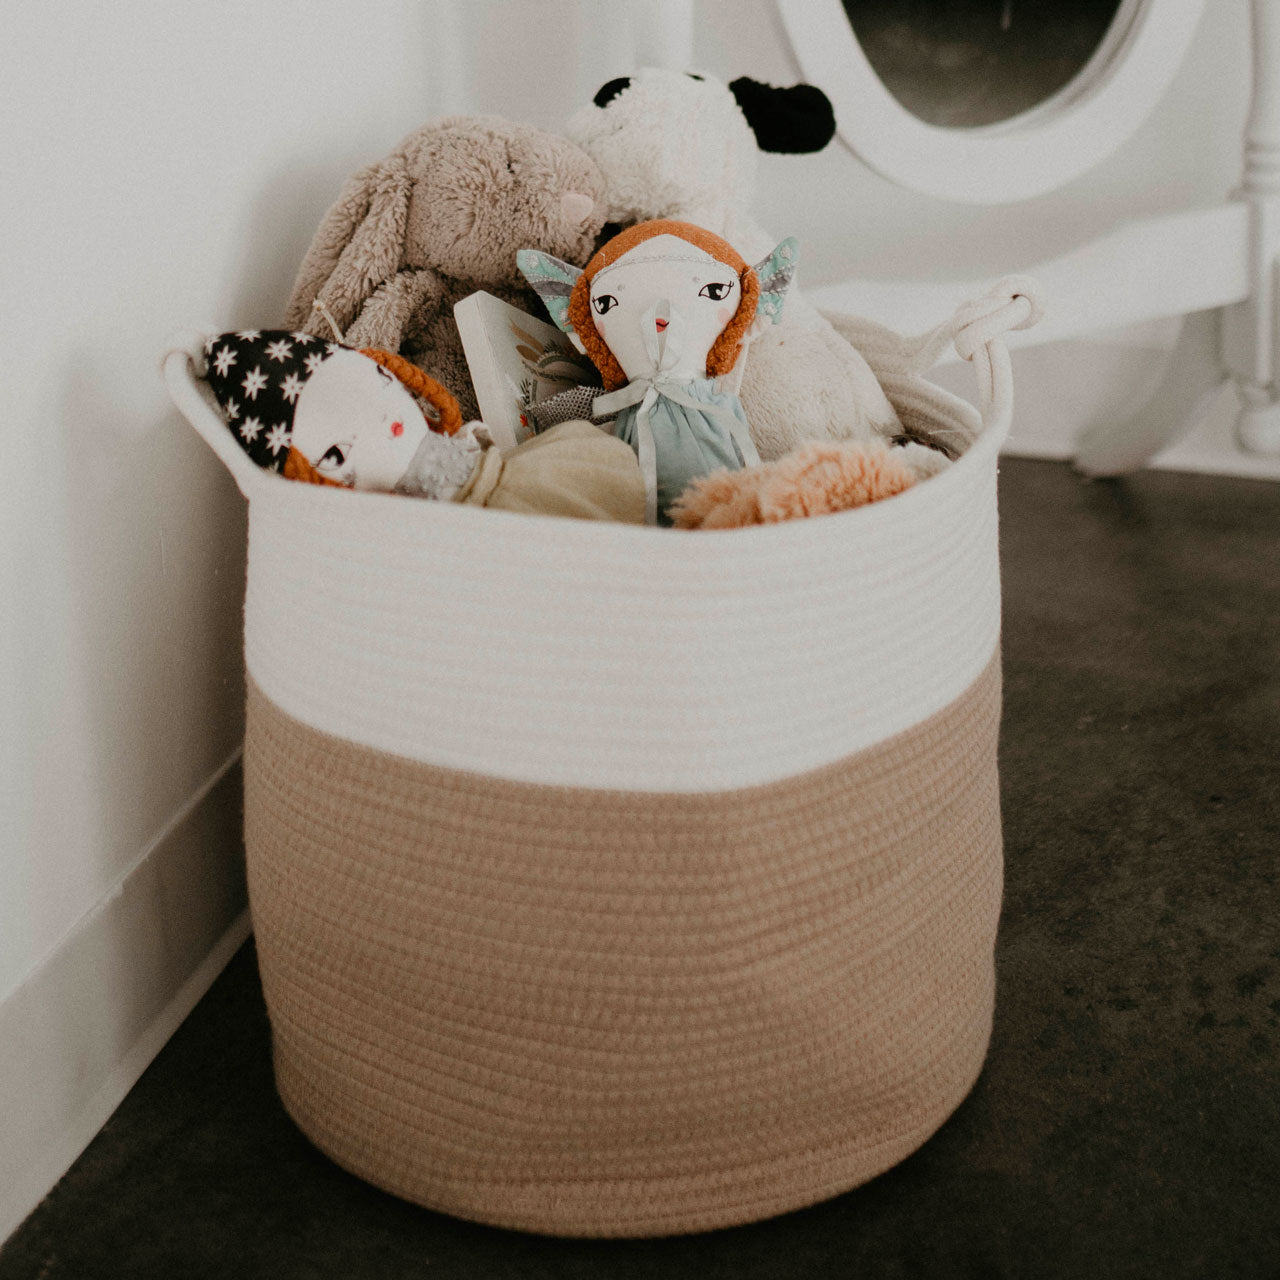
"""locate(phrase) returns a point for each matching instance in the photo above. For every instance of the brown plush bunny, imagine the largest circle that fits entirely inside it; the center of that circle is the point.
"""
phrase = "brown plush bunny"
(437, 219)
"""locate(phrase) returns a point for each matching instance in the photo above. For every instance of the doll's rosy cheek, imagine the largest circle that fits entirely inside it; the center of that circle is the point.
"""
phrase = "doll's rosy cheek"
(724, 315)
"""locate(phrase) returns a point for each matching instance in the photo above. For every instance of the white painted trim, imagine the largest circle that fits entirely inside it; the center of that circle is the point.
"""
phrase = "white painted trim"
(77, 1033)
(1206, 452)
(1147, 269)
(1014, 159)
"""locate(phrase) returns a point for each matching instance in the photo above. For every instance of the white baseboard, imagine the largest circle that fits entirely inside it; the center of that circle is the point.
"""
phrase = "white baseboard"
(1208, 449)
(79, 1031)
(1064, 388)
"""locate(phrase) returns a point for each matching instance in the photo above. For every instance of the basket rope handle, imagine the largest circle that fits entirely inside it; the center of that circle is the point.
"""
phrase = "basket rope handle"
(976, 328)
(183, 366)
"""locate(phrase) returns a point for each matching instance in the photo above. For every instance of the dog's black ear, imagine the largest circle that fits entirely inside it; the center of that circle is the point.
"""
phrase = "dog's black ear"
(795, 119)
(606, 93)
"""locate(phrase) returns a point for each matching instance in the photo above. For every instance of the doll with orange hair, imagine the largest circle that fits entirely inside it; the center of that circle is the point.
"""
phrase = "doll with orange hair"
(330, 415)
(664, 311)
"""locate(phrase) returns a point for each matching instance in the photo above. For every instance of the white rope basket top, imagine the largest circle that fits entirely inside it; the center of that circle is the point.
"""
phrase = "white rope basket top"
(584, 653)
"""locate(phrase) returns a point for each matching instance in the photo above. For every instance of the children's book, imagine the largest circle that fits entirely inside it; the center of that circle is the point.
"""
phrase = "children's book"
(516, 360)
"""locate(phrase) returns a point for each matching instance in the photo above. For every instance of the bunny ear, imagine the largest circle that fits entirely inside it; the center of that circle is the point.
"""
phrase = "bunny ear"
(357, 247)
(775, 274)
(552, 280)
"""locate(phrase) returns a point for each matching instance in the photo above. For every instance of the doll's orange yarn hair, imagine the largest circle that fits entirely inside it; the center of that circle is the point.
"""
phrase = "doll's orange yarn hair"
(296, 467)
(724, 351)
(423, 385)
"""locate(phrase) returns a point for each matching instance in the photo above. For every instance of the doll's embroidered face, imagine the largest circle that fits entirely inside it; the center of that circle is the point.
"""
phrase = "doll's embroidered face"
(662, 305)
(356, 424)
(612, 309)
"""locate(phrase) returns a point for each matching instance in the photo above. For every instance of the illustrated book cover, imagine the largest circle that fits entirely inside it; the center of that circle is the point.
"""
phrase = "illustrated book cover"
(516, 360)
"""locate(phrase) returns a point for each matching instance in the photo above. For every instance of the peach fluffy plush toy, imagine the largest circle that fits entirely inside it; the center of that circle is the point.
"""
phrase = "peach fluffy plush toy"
(815, 479)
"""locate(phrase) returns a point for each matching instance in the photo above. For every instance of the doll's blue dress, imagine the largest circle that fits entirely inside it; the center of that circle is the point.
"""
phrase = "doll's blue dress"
(680, 430)
(681, 427)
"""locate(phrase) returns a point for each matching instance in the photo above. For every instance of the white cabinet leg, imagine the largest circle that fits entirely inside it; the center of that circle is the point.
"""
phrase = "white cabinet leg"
(1256, 328)
(1258, 423)
(1192, 378)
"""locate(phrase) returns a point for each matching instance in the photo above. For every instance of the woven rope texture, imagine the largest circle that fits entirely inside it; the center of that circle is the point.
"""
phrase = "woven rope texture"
(612, 1013)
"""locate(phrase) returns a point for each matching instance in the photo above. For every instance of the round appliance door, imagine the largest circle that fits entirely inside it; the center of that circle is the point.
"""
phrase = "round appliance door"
(989, 101)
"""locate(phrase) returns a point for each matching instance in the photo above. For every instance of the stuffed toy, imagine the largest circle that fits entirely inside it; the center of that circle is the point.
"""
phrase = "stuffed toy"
(676, 145)
(437, 219)
(327, 414)
(663, 311)
(816, 479)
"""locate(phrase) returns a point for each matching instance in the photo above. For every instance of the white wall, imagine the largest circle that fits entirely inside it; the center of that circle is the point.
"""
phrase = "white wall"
(167, 169)
(159, 170)
(164, 165)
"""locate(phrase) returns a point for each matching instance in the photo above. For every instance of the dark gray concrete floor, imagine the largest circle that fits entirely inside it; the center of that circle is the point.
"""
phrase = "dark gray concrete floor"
(1127, 1123)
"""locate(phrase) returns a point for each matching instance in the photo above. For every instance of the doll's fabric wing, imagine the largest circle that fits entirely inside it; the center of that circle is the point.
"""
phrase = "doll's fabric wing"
(775, 274)
(552, 280)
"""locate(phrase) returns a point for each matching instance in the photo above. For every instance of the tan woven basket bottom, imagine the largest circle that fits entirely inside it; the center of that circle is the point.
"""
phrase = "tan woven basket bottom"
(602, 1013)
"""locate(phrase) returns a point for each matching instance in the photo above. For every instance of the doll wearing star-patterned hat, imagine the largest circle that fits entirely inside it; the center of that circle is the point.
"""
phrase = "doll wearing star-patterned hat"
(325, 413)
(322, 411)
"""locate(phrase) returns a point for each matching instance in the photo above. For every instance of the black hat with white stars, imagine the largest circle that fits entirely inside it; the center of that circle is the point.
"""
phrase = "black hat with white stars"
(256, 375)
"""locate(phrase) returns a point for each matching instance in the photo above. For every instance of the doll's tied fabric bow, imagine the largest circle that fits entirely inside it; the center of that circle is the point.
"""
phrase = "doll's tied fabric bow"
(667, 350)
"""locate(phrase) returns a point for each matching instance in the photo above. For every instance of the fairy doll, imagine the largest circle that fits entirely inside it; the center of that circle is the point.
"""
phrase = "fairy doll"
(664, 311)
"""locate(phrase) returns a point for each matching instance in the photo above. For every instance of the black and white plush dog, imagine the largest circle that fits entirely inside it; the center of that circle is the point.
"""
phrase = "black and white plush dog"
(674, 144)
(677, 145)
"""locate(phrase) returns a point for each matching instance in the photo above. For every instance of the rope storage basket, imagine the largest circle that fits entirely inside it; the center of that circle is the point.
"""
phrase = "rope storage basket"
(622, 881)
